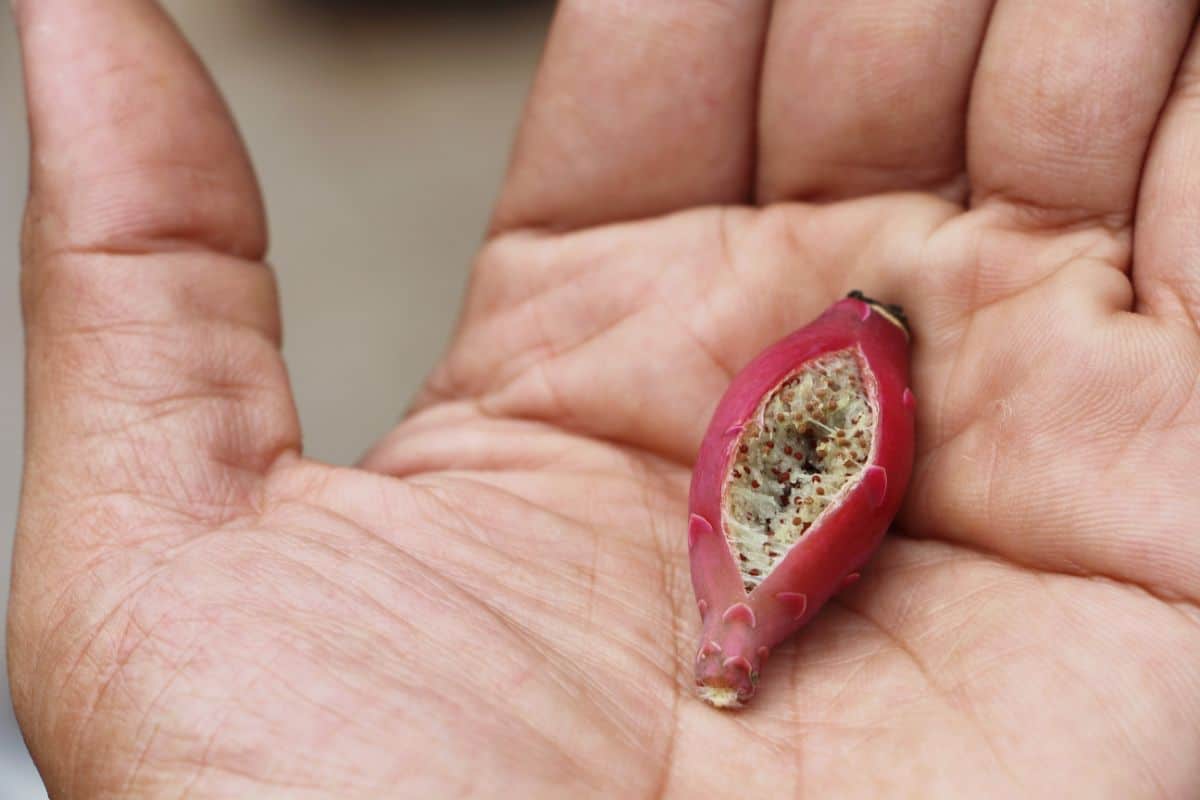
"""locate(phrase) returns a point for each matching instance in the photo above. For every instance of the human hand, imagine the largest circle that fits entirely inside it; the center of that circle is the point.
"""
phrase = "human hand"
(497, 601)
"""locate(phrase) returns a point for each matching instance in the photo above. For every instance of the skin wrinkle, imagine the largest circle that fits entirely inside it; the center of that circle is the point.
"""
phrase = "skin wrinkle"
(151, 396)
(656, 470)
(593, 437)
(359, 591)
(159, 415)
(493, 475)
(898, 29)
(176, 482)
(1190, 613)
(1029, 215)
(726, 371)
(495, 266)
(556, 404)
(992, 477)
(795, 245)
(281, 679)
(105, 310)
(1185, 406)
(139, 582)
(139, 761)
(546, 296)
(1102, 702)
(858, 665)
(724, 238)
(523, 633)
(525, 307)
(546, 364)
(962, 701)
(553, 658)
(960, 686)
(949, 384)
(684, 320)
(648, 477)
(309, 571)
(546, 350)
(526, 632)
(422, 567)
(933, 535)
(393, 679)
(259, 781)
(1181, 301)
(1156, 212)
(602, 330)
(940, 691)
(441, 497)
(1082, 574)
(592, 682)
(180, 242)
(116, 674)
(943, 440)
(178, 237)
(1110, 40)
(131, 778)
(678, 677)
(979, 592)
(102, 625)
(157, 412)
(1073, 261)
(950, 554)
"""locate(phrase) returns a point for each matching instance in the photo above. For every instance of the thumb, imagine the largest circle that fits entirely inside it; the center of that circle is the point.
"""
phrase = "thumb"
(153, 368)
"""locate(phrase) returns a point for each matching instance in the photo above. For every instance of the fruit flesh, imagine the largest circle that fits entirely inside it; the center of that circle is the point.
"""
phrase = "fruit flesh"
(811, 437)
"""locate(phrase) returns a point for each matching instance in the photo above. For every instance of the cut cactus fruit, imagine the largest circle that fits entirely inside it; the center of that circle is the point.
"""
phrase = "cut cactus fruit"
(804, 465)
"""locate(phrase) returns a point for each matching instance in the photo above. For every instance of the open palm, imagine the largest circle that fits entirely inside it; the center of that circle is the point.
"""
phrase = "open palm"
(497, 603)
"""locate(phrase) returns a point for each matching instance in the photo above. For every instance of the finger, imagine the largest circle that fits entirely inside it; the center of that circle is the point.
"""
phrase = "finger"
(632, 333)
(638, 109)
(864, 96)
(135, 148)
(153, 366)
(1064, 104)
(1166, 273)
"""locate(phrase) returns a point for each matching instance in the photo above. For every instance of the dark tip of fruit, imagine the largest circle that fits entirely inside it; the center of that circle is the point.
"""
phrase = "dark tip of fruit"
(889, 309)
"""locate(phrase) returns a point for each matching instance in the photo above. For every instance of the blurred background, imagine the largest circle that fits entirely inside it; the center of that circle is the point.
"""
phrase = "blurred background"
(380, 129)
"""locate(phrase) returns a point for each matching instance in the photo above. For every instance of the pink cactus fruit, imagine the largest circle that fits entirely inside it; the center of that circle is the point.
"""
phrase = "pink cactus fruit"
(804, 465)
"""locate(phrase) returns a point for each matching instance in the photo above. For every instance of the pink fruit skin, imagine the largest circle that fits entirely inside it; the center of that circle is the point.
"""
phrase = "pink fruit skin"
(734, 643)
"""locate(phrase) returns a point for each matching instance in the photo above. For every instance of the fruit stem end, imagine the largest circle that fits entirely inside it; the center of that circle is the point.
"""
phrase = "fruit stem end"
(720, 696)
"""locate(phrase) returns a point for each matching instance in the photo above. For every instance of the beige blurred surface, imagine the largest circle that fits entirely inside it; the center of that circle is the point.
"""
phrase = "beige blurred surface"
(380, 144)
